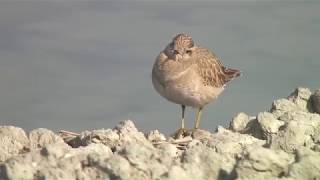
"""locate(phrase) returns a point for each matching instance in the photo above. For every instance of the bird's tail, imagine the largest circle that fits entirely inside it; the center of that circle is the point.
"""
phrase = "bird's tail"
(232, 73)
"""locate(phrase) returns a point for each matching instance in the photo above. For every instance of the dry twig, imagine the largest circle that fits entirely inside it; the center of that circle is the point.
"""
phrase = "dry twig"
(65, 132)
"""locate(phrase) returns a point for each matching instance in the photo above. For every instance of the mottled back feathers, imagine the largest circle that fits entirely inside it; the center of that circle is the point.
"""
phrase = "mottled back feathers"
(211, 70)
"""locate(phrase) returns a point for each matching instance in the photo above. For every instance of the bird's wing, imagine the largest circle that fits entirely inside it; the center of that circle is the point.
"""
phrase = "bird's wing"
(211, 70)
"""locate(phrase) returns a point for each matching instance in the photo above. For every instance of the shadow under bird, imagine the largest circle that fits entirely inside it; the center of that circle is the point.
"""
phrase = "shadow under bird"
(190, 75)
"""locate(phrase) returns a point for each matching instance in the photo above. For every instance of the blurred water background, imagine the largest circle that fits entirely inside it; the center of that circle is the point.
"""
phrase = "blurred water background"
(87, 65)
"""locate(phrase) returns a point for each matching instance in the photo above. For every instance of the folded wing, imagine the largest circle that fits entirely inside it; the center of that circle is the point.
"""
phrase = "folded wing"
(212, 71)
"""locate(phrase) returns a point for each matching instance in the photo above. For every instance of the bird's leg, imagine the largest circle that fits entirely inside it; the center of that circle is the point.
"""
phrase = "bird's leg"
(182, 131)
(198, 118)
(183, 108)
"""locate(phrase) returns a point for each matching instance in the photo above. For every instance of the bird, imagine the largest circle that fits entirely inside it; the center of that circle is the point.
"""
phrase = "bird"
(190, 75)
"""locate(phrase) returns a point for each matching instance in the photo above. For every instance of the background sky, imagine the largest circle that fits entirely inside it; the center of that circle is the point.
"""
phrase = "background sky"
(87, 65)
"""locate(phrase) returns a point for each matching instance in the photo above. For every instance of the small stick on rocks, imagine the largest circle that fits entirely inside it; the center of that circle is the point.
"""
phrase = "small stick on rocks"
(69, 133)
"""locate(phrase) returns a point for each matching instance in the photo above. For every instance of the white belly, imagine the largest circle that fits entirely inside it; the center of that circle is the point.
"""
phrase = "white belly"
(192, 93)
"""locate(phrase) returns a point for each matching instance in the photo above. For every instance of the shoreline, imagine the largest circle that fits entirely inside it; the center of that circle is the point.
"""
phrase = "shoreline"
(282, 143)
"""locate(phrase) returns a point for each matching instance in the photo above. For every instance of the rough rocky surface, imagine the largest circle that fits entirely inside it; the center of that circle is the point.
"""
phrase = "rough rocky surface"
(13, 140)
(315, 100)
(283, 143)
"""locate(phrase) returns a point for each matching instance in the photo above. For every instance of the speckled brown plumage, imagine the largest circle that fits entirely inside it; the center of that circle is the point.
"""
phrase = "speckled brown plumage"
(190, 75)
(211, 70)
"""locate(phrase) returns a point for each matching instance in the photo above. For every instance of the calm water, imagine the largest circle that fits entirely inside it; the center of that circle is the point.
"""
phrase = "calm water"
(79, 65)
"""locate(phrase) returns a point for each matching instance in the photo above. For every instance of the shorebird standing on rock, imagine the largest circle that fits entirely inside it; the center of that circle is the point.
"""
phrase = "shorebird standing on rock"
(189, 75)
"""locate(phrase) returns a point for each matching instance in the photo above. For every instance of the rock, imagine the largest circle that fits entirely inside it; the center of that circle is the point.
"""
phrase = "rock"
(263, 163)
(41, 137)
(126, 126)
(306, 165)
(316, 148)
(315, 99)
(124, 133)
(301, 97)
(281, 144)
(301, 116)
(316, 135)
(242, 123)
(299, 100)
(268, 123)
(230, 145)
(228, 142)
(117, 167)
(201, 162)
(35, 163)
(301, 129)
(169, 154)
(281, 106)
(128, 134)
(155, 136)
(17, 168)
(176, 172)
(55, 151)
(201, 134)
(57, 161)
(107, 137)
(146, 159)
(239, 122)
(13, 141)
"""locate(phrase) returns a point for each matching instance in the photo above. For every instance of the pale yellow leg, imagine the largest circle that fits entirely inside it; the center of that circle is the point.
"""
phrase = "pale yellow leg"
(183, 107)
(198, 118)
(181, 132)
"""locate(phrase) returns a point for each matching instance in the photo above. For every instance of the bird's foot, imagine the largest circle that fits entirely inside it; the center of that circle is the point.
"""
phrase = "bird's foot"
(199, 134)
(181, 133)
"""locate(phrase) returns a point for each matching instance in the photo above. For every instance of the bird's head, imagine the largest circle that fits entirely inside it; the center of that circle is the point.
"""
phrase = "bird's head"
(181, 47)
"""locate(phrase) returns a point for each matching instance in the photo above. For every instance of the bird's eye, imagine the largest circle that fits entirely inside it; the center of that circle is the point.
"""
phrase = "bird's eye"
(175, 52)
(188, 51)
